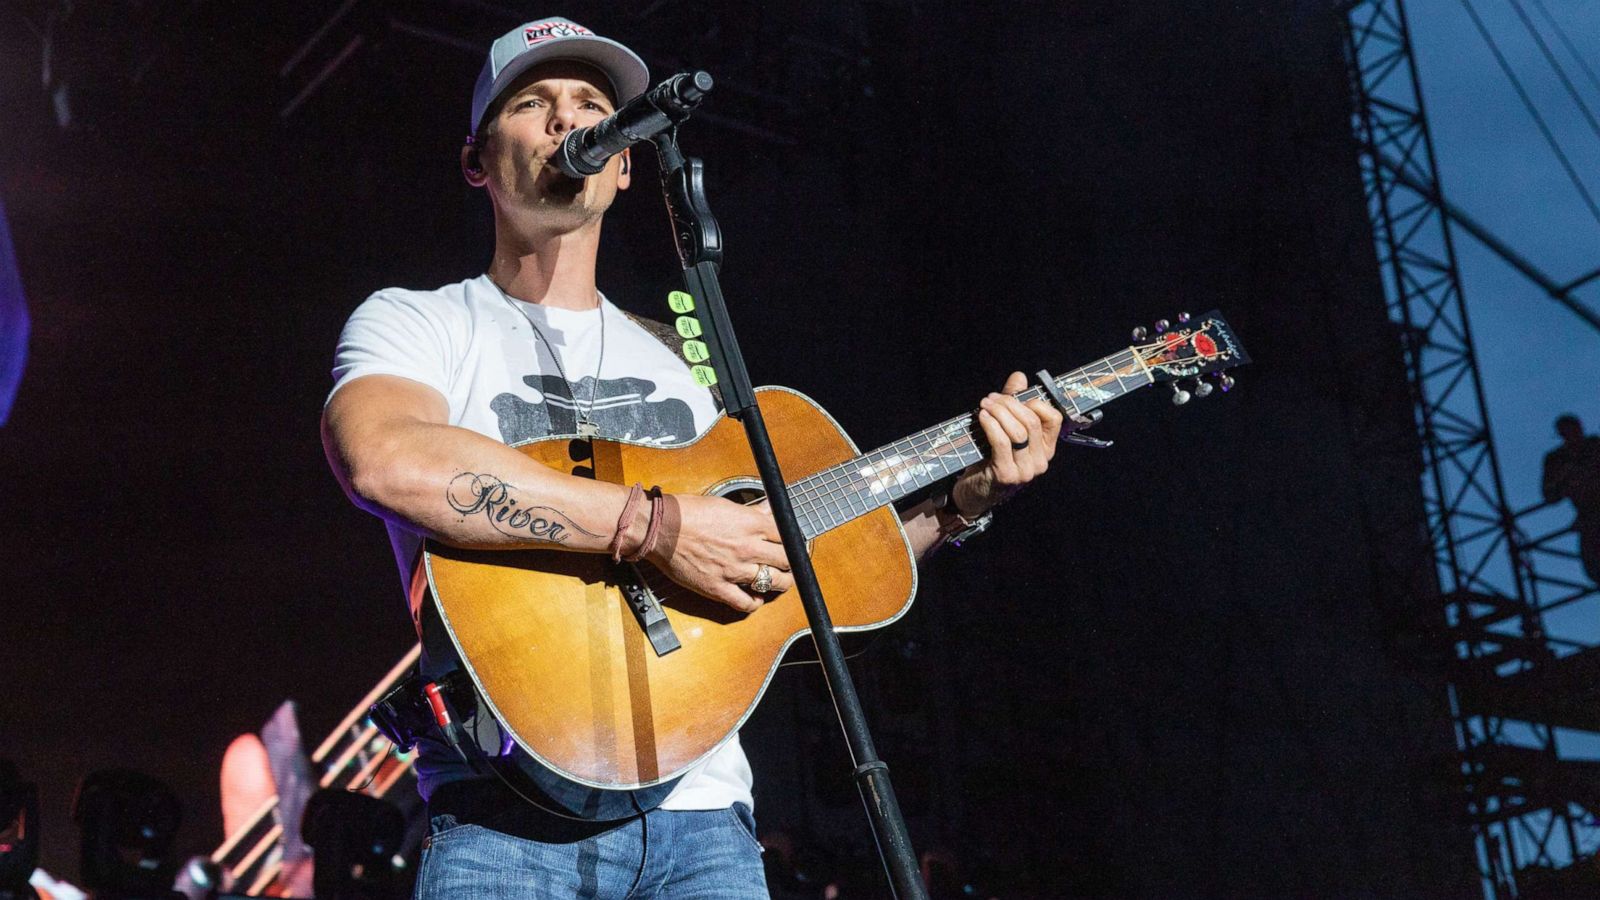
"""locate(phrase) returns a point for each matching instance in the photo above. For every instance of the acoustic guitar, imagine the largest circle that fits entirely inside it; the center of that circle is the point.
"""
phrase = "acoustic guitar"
(616, 678)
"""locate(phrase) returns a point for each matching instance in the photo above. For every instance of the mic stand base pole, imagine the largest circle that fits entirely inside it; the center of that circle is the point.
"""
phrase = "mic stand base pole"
(700, 250)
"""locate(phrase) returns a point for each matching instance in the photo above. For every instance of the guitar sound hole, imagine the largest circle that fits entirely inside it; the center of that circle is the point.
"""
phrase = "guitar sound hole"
(749, 496)
(745, 490)
(749, 492)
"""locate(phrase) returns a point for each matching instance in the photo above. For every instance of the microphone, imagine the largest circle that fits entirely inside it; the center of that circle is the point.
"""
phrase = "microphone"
(585, 150)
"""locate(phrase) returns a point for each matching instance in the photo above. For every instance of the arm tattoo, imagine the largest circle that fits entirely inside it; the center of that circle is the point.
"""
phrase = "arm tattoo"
(472, 494)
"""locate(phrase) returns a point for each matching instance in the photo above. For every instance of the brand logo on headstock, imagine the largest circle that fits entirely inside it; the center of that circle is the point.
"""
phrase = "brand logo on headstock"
(1209, 347)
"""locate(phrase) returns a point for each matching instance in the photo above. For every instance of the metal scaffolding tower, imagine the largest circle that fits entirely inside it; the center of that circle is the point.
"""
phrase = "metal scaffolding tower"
(1511, 683)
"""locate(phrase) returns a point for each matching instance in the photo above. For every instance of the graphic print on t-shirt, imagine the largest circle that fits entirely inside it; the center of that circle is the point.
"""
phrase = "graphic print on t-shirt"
(620, 411)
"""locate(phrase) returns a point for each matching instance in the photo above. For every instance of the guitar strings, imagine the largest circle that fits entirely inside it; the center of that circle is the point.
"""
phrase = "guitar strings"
(840, 489)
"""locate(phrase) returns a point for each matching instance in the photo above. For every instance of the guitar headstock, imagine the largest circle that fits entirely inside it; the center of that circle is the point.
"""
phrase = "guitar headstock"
(1198, 346)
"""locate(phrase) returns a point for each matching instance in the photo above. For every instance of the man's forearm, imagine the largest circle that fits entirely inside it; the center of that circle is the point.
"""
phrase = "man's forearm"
(468, 490)
(922, 528)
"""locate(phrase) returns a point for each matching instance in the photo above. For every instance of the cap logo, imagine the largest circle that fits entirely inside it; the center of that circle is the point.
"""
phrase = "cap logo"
(539, 32)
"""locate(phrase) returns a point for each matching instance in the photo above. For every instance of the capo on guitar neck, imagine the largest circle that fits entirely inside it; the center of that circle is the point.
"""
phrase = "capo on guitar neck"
(1048, 382)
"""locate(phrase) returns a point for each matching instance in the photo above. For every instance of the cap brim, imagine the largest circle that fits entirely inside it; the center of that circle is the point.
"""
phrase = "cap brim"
(628, 73)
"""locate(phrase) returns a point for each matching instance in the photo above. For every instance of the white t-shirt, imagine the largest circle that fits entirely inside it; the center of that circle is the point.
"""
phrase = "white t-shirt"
(470, 344)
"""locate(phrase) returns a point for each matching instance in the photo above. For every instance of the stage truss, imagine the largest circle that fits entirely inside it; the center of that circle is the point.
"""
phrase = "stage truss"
(1512, 682)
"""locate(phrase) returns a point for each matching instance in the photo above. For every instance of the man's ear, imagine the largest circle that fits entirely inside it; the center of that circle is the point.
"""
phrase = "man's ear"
(623, 177)
(472, 165)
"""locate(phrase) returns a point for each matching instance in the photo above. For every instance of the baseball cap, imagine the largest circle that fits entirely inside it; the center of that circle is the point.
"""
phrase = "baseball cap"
(555, 38)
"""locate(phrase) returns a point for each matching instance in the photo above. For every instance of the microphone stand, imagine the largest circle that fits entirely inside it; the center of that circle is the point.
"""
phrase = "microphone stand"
(699, 243)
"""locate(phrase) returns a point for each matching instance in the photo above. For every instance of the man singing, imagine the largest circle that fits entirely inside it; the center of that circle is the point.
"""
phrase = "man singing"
(432, 386)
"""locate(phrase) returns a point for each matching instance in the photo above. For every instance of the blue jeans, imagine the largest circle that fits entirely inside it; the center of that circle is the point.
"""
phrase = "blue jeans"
(692, 855)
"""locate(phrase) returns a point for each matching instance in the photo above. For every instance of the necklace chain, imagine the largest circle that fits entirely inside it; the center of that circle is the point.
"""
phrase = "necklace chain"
(594, 387)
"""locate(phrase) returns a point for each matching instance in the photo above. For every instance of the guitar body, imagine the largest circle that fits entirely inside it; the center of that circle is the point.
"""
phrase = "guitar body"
(552, 644)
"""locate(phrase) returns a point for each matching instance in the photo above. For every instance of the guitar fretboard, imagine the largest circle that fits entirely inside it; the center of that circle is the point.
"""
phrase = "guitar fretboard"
(836, 495)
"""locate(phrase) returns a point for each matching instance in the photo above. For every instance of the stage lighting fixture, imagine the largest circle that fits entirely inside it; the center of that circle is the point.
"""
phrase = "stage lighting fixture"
(13, 321)
(19, 832)
(356, 840)
(199, 879)
(128, 821)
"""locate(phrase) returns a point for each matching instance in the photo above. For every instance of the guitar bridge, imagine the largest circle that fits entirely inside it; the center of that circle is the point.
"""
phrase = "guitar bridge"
(647, 610)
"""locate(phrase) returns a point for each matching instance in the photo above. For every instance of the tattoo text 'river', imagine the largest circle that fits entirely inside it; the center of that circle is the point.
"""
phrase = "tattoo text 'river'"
(471, 494)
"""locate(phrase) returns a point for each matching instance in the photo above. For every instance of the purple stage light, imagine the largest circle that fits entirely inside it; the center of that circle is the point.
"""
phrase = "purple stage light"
(13, 321)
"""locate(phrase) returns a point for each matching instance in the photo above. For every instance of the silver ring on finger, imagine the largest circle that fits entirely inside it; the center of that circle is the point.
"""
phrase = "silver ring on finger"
(763, 580)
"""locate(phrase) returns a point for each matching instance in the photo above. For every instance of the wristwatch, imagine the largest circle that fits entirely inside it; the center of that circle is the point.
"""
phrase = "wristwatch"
(944, 505)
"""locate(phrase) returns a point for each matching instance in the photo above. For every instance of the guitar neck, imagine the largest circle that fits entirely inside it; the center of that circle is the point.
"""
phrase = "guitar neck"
(836, 495)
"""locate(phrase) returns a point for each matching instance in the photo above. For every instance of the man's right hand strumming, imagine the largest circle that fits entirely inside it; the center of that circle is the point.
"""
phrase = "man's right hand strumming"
(718, 549)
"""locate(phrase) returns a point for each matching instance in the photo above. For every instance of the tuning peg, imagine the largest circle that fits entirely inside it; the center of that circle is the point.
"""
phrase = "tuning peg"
(1139, 333)
(1202, 388)
(1179, 395)
(1225, 382)
(1183, 317)
(1162, 325)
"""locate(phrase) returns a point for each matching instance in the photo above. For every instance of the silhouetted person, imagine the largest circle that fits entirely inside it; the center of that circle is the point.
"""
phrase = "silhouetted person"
(1572, 472)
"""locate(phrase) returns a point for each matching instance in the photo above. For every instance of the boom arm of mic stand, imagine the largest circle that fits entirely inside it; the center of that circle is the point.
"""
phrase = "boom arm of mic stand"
(699, 243)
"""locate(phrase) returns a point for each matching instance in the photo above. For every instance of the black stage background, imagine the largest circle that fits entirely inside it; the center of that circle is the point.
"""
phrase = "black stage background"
(1170, 670)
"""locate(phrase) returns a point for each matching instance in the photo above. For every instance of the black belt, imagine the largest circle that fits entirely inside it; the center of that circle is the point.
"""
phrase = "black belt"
(490, 803)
